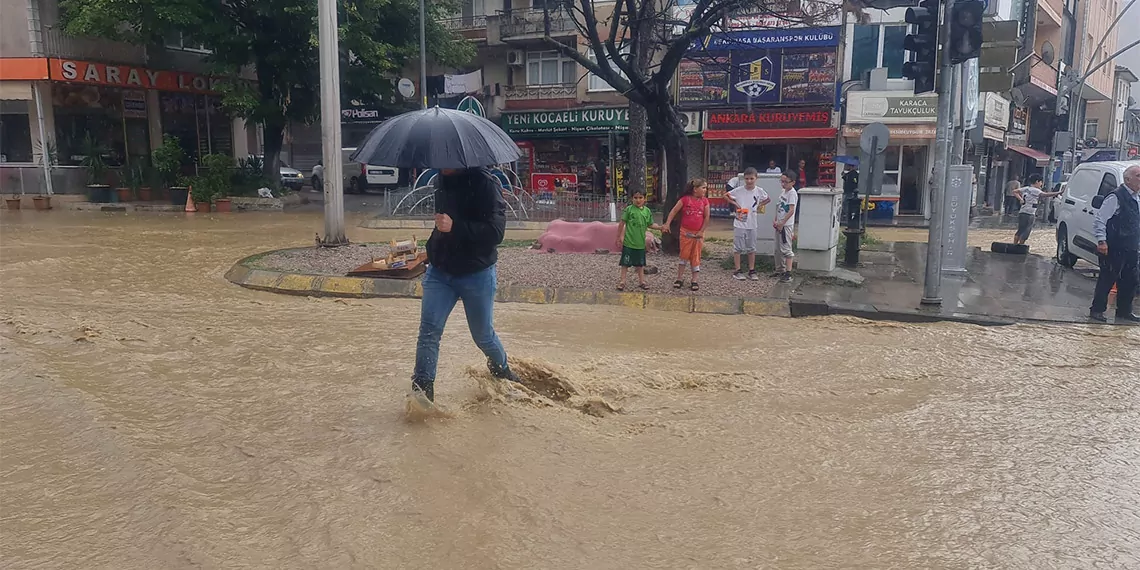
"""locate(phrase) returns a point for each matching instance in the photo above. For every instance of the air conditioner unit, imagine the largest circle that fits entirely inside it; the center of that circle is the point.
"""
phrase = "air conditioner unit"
(516, 58)
(691, 121)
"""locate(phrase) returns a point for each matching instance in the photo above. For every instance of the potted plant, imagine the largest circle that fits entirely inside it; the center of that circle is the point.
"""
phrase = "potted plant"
(167, 161)
(201, 192)
(42, 202)
(218, 173)
(136, 178)
(97, 188)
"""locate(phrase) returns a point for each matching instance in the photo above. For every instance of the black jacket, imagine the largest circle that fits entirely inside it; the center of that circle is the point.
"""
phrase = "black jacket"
(474, 200)
(1123, 229)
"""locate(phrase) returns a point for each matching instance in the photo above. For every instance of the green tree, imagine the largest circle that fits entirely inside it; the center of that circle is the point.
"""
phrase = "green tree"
(277, 41)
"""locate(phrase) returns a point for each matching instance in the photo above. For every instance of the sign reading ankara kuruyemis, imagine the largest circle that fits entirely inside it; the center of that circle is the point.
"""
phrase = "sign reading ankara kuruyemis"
(569, 121)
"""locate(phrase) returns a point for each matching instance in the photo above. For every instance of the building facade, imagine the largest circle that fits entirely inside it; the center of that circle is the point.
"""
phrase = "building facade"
(57, 90)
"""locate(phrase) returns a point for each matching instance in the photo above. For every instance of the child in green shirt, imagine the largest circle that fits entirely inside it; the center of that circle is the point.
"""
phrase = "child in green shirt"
(635, 220)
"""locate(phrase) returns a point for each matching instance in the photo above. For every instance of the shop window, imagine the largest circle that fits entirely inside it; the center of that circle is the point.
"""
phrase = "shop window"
(550, 68)
(111, 116)
(15, 132)
(597, 83)
(198, 122)
(1092, 128)
(179, 41)
(878, 46)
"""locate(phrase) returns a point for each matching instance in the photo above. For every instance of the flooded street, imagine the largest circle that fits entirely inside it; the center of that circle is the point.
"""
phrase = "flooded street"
(153, 415)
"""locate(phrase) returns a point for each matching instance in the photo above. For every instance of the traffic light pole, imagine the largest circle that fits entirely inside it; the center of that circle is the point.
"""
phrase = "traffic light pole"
(932, 284)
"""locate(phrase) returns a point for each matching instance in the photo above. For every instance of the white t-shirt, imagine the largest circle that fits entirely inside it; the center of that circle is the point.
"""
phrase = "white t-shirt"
(750, 200)
(735, 181)
(1031, 196)
(774, 170)
(788, 198)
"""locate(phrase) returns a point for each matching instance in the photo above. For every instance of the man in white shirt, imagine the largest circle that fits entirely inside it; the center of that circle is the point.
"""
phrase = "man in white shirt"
(772, 168)
(1029, 196)
(748, 199)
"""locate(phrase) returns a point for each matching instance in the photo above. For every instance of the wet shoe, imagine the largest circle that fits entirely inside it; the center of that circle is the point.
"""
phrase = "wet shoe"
(1098, 317)
(786, 278)
(1128, 318)
(418, 406)
(752, 276)
(504, 373)
(739, 276)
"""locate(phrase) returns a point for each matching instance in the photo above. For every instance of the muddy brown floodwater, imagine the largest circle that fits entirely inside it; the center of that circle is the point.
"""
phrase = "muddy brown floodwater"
(155, 416)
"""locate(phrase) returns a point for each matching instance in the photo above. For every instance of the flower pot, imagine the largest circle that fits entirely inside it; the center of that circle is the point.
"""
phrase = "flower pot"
(99, 193)
(202, 207)
(222, 205)
(42, 202)
(12, 203)
(178, 195)
(145, 194)
(124, 194)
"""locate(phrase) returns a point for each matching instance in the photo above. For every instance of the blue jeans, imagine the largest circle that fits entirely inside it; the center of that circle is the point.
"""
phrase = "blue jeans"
(441, 292)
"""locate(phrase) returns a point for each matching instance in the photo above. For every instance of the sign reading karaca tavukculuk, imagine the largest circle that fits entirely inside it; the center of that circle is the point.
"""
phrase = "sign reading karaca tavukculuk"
(891, 107)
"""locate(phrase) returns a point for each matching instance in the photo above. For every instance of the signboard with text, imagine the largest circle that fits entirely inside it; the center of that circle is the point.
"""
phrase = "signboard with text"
(768, 38)
(891, 107)
(784, 118)
(571, 121)
(547, 182)
(129, 76)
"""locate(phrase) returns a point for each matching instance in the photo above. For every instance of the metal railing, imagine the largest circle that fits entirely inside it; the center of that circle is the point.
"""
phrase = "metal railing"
(527, 22)
(531, 92)
(59, 44)
(465, 23)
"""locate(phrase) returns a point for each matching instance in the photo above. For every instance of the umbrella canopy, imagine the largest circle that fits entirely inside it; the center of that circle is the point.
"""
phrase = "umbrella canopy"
(437, 138)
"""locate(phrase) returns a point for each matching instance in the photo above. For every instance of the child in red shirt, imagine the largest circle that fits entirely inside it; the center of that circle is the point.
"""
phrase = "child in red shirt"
(694, 209)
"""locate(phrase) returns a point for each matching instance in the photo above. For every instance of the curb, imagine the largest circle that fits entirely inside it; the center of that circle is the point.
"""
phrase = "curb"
(244, 275)
(815, 308)
(403, 224)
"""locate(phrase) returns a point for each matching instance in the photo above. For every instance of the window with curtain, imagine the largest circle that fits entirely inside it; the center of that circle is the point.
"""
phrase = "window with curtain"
(1092, 128)
(549, 68)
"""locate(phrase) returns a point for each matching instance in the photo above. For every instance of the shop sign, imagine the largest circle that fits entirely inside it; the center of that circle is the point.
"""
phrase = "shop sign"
(993, 133)
(471, 105)
(134, 104)
(546, 182)
(1020, 120)
(886, 107)
(898, 132)
(759, 77)
(793, 118)
(573, 121)
(774, 37)
(997, 110)
(128, 76)
(359, 115)
(815, 13)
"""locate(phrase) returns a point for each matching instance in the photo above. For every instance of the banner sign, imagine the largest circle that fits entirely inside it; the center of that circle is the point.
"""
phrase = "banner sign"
(891, 107)
(789, 118)
(770, 38)
(572, 121)
(129, 76)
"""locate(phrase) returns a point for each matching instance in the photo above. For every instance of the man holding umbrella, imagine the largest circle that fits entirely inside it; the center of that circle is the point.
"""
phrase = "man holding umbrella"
(470, 221)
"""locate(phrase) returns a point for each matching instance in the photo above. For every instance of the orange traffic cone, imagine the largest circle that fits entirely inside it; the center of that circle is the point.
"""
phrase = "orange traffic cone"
(190, 201)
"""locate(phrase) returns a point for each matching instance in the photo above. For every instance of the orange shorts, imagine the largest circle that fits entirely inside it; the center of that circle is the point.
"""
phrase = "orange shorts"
(691, 249)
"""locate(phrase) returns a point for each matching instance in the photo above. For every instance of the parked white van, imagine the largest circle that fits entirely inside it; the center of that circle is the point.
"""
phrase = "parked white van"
(1086, 189)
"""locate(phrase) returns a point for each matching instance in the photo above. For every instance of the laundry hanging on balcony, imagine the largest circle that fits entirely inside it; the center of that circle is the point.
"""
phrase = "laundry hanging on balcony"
(463, 84)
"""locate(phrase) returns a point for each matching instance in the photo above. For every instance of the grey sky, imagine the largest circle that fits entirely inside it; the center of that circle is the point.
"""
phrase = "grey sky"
(1129, 28)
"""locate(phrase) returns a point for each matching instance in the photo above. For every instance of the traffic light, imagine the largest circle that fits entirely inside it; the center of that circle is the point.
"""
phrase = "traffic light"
(923, 45)
(966, 30)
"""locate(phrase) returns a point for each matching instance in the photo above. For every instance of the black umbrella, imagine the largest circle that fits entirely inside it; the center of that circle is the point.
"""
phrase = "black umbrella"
(437, 138)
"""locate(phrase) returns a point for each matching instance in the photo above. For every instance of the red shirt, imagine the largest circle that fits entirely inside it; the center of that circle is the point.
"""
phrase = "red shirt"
(693, 213)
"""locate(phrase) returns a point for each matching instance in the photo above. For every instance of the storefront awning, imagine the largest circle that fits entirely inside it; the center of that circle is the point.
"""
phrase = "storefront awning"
(769, 134)
(1041, 158)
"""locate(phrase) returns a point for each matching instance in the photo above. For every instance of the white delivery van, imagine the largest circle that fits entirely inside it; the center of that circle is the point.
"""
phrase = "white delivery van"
(1076, 210)
(360, 177)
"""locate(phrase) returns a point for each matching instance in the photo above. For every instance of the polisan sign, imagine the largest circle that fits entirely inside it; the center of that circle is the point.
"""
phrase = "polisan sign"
(128, 76)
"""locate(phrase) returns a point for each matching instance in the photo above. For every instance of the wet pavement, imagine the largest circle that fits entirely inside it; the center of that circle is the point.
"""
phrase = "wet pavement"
(995, 288)
(153, 415)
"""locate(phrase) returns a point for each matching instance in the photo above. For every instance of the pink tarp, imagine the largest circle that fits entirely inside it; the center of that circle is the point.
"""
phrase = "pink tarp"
(585, 237)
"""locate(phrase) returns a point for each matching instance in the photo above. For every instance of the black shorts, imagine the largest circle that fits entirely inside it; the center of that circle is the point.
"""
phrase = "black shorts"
(632, 257)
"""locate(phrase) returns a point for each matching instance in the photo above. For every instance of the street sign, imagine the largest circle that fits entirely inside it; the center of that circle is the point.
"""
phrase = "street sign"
(406, 87)
(957, 219)
(877, 132)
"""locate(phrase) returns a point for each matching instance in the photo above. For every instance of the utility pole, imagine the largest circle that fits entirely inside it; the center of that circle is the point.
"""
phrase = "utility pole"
(932, 283)
(333, 179)
(423, 57)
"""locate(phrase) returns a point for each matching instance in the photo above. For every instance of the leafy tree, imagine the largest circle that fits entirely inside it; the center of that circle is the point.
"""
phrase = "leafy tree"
(640, 44)
(277, 41)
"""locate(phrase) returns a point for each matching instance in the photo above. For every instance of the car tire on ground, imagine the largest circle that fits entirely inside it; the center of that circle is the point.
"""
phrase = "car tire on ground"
(351, 188)
(1064, 256)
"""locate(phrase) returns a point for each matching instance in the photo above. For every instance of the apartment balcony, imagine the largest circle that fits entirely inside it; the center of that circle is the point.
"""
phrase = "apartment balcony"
(1037, 79)
(531, 24)
(539, 96)
(59, 44)
(469, 27)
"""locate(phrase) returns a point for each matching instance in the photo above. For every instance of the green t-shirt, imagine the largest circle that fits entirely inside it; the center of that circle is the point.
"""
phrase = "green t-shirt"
(637, 220)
